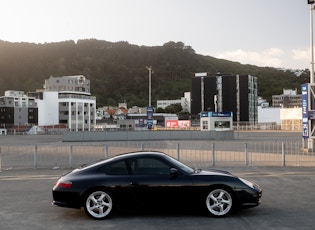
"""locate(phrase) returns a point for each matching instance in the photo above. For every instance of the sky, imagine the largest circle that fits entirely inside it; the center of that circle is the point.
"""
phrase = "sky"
(273, 33)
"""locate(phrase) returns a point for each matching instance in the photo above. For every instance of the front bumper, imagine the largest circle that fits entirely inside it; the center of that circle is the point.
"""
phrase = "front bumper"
(249, 197)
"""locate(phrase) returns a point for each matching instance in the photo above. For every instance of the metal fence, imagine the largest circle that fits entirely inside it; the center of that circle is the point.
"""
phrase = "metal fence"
(202, 154)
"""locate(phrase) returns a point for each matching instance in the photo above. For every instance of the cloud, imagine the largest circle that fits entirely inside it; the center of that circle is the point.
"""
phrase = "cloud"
(272, 57)
(299, 54)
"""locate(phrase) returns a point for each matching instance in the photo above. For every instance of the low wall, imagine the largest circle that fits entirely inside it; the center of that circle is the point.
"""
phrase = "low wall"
(147, 135)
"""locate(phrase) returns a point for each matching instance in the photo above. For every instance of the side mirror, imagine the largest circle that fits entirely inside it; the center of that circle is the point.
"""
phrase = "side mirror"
(174, 172)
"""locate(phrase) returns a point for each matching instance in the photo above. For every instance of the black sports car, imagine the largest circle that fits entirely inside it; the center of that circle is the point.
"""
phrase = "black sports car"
(152, 179)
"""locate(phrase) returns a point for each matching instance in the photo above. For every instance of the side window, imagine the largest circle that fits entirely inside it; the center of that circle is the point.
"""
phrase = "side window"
(115, 168)
(150, 166)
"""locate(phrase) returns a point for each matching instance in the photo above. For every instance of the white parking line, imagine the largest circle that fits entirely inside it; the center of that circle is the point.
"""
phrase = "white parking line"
(29, 177)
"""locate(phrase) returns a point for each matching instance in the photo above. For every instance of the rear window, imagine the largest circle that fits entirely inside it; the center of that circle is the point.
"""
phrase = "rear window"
(115, 168)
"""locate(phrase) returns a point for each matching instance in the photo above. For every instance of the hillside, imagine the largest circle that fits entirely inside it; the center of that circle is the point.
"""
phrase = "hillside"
(118, 70)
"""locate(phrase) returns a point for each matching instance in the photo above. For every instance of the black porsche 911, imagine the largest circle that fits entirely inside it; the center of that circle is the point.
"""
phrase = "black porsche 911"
(152, 179)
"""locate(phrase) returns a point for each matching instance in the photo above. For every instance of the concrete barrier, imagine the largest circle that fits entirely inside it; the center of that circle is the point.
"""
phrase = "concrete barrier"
(147, 135)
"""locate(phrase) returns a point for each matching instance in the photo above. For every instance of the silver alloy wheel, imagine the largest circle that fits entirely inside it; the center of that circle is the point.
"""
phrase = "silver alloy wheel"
(98, 204)
(219, 202)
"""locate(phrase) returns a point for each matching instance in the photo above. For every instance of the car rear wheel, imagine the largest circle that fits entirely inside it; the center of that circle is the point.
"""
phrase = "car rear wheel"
(98, 204)
(219, 202)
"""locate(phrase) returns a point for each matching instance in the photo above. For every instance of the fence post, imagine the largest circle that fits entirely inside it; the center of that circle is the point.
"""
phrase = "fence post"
(283, 154)
(35, 157)
(70, 156)
(178, 152)
(106, 151)
(0, 160)
(246, 154)
(213, 154)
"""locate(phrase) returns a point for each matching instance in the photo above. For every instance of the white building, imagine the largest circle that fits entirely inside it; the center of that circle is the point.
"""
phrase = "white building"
(287, 118)
(184, 101)
(269, 115)
(67, 100)
(216, 121)
(291, 119)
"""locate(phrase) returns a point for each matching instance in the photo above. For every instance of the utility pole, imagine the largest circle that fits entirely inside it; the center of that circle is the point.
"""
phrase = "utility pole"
(150, 75)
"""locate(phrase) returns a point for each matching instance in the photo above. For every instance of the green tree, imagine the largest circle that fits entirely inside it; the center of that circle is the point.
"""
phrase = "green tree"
(174, 108)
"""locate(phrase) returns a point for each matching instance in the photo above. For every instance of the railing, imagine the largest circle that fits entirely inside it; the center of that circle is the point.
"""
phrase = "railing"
(201, 154)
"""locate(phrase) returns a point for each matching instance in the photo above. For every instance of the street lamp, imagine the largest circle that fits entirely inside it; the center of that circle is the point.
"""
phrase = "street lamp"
(150, 73)
(311, 3)
(150, 108)
(308, 125)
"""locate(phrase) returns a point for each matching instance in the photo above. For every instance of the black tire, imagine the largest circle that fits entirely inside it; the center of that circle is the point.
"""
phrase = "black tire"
(219, 202)
(98, 204)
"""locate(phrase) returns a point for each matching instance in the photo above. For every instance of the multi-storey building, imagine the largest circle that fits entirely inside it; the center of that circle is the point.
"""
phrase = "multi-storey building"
(17, 109)
(66, 100)
(289, 99)
(226, 93)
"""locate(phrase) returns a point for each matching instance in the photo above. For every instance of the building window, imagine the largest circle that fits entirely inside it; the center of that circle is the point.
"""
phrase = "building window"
(204, 124)
(221, 124)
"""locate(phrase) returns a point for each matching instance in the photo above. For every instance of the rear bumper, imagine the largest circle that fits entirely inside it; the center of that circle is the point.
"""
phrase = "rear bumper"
(66, 199)
(65, 205)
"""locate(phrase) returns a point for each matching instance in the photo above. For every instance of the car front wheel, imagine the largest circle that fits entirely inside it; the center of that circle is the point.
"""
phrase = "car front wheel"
(219, 202)
(98, 204)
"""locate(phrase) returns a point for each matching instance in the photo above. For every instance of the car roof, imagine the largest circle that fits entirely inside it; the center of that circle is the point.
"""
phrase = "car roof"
(124, 156)
(139, 153)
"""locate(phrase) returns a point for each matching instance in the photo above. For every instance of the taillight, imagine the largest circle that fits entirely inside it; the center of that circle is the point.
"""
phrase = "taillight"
(64, 184)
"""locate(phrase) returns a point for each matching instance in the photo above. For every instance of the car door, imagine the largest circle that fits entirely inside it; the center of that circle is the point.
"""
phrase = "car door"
(117, 179)
(153, 184)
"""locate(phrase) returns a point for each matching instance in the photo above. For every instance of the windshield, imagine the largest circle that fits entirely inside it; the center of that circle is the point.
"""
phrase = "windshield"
(180, 165)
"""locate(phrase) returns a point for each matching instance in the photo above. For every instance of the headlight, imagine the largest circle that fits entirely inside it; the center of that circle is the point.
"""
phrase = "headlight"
(248, 183)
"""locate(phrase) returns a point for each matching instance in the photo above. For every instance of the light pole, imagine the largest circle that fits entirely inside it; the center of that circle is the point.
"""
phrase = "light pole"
(311, 3)
(150, 108)
(309, 124)
(150, 73)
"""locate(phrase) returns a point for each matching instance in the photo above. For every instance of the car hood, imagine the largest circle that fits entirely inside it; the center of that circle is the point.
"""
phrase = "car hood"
(214, 172)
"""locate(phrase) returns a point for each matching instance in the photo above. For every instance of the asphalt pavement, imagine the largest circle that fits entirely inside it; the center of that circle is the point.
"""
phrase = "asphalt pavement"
(287, 203)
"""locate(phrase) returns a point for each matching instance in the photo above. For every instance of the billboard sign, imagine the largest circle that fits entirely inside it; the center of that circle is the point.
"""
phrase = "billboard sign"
(150, 117)
(305, 112)
(183, 124)
(201, 74)
(216, 114)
